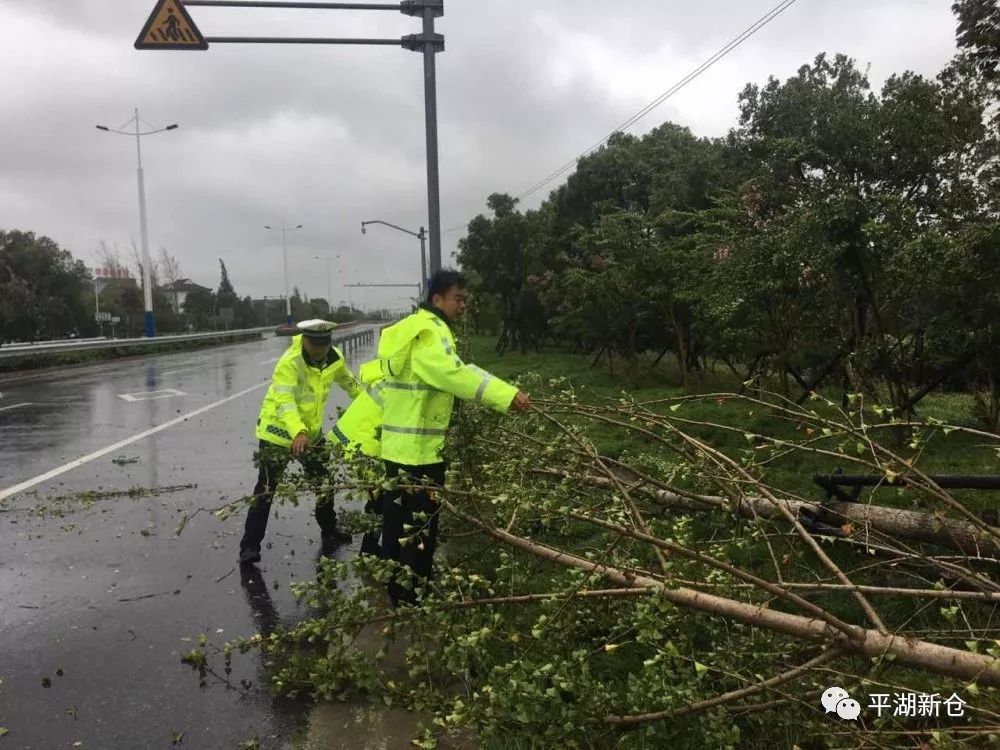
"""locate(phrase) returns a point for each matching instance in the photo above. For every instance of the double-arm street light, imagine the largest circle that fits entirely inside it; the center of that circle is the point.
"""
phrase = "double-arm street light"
(147, 264)
(284, 254)
(421, 235)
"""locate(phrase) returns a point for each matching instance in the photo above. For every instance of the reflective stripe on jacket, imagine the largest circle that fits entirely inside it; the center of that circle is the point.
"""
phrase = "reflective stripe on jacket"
(359, 426)
(423, 376)
(296, 399)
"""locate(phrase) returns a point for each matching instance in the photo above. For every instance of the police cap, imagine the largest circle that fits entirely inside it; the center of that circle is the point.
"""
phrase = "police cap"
(320, 330)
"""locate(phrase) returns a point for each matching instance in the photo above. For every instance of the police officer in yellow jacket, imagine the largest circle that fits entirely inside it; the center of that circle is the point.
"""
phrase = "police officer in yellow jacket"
(356, 437)
(423, 376)
(290, 425)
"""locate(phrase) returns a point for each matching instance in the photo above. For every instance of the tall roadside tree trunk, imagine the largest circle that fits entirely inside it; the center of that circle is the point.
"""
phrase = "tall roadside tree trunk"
(633, 355)
(987, 397)
(682, 357)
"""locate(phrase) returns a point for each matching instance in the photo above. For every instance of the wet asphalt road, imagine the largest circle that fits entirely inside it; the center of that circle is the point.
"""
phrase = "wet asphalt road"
(98, 598)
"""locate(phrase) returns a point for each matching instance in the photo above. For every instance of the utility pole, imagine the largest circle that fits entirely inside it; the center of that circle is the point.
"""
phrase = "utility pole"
(430, 11)
(284, 256)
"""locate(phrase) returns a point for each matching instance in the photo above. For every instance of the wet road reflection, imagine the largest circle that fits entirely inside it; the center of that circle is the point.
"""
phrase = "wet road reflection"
(265, 616)
(97, 593)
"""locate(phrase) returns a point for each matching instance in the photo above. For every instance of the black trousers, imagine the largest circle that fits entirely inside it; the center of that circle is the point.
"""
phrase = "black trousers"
(370, 541)
(271, 461)
(399, 507)
(366, 472)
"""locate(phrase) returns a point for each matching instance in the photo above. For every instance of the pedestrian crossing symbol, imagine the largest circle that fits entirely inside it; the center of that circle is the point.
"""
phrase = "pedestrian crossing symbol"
(170, 27)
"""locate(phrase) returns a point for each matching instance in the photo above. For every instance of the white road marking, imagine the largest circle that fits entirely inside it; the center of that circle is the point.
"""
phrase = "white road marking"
(269, 361)
(181, 366)
(29, 483)
(17, 406)
(151, 395)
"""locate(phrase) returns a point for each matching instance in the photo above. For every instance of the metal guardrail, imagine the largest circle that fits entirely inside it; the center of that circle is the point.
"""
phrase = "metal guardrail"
(72, 346)
(353, 338)
(53, 347)
(38, 345)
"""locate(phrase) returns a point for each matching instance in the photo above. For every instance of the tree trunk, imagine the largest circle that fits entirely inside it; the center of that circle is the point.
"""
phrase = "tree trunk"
(918, 359)
(682, 358)
(598, 358)
(783, 375)
(659, 357)
(912, 652)
(818, 381)
(961, 536)
(917, 397)
(987, 397)
(633, 355)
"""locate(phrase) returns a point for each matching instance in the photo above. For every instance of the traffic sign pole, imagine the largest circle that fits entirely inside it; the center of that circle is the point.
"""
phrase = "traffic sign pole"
(430, 10)
(171, 27)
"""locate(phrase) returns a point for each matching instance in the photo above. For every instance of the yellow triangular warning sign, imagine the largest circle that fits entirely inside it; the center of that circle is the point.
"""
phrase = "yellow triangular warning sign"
(170, 27)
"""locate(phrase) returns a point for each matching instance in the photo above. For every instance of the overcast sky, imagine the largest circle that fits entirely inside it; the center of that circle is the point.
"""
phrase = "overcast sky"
(329, 136)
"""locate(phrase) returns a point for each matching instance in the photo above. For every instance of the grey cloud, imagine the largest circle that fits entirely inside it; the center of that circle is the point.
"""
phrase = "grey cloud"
(327, 137)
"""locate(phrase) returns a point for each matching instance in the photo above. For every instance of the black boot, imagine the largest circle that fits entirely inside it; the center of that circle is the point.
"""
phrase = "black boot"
(370, 544)
(334, 535)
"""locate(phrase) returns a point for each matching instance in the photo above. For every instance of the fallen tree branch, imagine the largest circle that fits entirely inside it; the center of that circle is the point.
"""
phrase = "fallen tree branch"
(725, 461)
(734, 695)
(911, 652)
(894, 522)
(774, 589)
(834, 588)
(633, 509)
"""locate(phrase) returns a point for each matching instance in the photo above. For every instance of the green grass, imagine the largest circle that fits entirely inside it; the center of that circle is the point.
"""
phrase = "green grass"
(953, 454)
(726, 537)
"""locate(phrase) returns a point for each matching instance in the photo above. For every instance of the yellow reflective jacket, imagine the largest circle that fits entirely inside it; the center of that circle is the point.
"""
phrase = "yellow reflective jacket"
(359, 426)
(296, 400)
(423, 376)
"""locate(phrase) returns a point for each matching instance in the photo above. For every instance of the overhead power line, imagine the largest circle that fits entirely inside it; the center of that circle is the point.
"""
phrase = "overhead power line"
(725, 50)
(748, 32)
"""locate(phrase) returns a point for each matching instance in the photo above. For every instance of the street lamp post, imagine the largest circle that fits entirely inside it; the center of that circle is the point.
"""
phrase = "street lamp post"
(329, 288)
(284, 254)
(421, 235)
(147, 273)
(340, 271)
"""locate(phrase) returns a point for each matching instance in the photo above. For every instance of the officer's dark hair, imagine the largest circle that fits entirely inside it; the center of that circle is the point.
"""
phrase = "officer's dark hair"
(443, 281)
